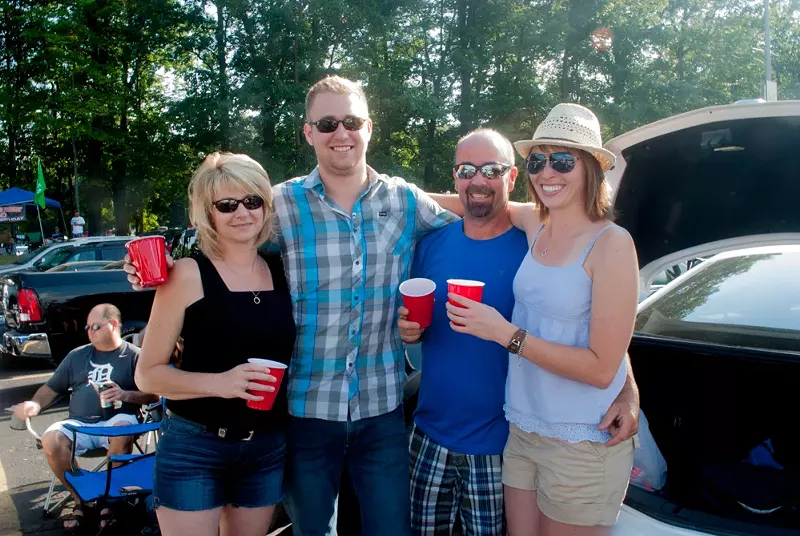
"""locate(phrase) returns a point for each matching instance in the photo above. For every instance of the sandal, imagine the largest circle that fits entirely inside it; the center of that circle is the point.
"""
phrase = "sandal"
(107, 518)
(73, 519)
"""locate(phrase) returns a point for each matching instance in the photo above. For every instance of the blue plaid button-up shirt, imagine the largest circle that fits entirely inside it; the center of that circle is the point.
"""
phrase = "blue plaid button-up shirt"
(344, 271)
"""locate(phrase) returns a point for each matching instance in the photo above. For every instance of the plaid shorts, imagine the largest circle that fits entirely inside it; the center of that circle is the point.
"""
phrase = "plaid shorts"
(447, 486)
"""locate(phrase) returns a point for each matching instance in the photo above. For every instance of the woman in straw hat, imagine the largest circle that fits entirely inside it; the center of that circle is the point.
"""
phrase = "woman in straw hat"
(576, 296)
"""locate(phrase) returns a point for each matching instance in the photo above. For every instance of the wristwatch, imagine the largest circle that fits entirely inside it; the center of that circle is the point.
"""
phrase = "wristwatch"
(517, 341)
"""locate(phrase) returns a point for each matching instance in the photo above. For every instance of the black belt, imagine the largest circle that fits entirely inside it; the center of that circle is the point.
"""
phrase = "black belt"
(228, 433)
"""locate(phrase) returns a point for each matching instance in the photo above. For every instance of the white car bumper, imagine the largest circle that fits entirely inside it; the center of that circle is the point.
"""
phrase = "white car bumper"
(634, 523)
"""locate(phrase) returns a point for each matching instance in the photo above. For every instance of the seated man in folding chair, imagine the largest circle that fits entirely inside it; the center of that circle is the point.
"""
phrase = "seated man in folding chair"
(107, 363)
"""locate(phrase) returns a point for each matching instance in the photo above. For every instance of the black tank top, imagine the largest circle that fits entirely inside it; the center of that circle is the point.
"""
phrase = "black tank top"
(224, 329)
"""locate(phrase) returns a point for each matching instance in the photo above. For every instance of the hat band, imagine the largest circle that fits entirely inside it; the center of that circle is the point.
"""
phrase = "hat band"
(564, 139)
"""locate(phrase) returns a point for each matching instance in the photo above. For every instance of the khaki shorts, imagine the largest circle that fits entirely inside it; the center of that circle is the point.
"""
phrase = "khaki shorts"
(576, 483)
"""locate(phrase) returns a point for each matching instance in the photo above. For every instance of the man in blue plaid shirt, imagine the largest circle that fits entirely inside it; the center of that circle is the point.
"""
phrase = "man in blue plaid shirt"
(347, 234)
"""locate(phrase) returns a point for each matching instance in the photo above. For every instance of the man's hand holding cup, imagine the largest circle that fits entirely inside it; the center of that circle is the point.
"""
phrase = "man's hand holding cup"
(410, 332)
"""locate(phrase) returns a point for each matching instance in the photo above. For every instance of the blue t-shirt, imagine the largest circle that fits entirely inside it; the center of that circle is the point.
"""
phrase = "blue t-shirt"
(462, 387)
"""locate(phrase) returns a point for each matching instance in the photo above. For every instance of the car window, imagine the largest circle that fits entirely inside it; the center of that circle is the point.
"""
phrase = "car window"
(750, 300)
(83, 255)
(113, 253)
(54, 258)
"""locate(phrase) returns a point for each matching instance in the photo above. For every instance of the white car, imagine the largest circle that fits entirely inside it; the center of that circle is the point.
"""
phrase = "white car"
(716, 351)
(79, 249)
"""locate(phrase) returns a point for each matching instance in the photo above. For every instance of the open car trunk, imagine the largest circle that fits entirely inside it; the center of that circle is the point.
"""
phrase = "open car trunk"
(708, 407)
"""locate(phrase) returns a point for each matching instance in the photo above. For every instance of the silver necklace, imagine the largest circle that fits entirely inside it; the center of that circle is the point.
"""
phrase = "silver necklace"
(255, 294)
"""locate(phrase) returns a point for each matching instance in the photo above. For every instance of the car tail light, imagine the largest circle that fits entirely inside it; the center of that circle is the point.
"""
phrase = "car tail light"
(29, 310)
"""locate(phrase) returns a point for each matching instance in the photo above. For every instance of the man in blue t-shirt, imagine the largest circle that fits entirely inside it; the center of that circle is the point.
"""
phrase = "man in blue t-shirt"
(460, 429)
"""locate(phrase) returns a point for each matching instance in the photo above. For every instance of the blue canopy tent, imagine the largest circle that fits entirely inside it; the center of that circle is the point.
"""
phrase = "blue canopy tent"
(17, 197)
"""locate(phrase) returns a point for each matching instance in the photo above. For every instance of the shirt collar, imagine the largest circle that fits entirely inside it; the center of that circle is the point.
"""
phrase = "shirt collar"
(313, 181)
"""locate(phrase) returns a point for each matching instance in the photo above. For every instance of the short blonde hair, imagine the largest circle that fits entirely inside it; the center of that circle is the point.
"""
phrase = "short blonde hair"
(218, 170)
(598, 197)
(337, 85)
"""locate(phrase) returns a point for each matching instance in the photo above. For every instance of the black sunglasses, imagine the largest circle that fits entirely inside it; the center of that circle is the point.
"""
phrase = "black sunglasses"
(228, 205)
(560, 162)
(326, 125)
(492, 170)
(94, 327)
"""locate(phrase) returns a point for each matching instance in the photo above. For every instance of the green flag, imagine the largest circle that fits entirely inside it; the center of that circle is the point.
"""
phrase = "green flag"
(40, 187)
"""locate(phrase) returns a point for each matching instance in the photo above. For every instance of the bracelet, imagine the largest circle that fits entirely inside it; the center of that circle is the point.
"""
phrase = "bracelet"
(522, 344)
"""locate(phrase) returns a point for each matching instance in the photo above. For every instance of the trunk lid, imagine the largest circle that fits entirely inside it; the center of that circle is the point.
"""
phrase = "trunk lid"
(708, 175)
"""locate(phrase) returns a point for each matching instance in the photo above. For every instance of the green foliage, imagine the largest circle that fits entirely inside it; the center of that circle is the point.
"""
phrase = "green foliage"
(134, 93)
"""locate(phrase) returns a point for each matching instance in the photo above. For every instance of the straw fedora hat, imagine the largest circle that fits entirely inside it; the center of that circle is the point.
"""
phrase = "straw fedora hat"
(570, 125)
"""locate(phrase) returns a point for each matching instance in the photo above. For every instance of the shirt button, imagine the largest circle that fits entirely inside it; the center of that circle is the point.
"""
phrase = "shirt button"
(356, 298)
(350, 365)
(358, 262)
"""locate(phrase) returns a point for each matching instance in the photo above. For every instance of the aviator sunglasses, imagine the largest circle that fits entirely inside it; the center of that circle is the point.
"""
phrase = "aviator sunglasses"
(492, 170)
(228, 205)
(326, 125)
(560, 162)
(94, 327)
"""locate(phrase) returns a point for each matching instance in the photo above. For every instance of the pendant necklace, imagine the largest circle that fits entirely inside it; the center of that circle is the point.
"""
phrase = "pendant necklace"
(255, 294)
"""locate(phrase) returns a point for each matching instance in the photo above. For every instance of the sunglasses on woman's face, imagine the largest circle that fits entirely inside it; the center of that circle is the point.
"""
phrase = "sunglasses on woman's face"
(491, 171)
(326, 125)
(560, 162)
(228, 205)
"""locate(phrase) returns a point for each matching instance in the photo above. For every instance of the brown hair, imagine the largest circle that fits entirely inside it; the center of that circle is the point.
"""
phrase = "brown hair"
(218, 170)
(333, 84)
(598, 199)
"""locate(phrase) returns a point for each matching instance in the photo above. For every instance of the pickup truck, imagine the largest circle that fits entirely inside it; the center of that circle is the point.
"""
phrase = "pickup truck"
(45, 313)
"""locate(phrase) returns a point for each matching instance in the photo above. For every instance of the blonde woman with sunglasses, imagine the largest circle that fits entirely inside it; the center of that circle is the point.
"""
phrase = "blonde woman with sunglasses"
(575, 302)
(219, 464)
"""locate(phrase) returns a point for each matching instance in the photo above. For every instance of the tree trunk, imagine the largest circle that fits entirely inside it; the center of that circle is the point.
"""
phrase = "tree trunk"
(222, 79)
(465, 64)
(430, 142)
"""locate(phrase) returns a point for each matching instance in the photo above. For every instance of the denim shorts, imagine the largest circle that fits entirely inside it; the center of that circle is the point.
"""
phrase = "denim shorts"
(196, 470)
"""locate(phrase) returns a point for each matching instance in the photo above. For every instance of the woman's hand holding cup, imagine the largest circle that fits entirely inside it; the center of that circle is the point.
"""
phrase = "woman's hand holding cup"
(236, 382)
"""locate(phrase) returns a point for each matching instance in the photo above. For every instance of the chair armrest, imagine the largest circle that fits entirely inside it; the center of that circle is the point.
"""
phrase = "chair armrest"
(123, 457)
(114, 431)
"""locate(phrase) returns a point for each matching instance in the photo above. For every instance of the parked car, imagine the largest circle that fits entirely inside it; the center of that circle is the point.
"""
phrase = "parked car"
(716, 351)
(79, 266)
(185, 243)
(45, 313)
(110, 248)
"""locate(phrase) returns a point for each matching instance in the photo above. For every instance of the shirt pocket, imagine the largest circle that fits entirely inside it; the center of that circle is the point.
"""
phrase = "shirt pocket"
(387, 233)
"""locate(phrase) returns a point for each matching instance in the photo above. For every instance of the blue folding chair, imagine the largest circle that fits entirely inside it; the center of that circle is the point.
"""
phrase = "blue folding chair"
(130, 482)
(151, 413)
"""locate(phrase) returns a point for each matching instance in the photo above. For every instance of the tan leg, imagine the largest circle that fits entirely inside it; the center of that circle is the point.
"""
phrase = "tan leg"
(58, 449)
(246, 521)
(120, 445)
(522, 512)
(554, 528)
(179, 523)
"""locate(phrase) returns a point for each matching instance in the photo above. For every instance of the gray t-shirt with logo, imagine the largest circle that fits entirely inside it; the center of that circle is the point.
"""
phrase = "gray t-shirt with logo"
(85, 364)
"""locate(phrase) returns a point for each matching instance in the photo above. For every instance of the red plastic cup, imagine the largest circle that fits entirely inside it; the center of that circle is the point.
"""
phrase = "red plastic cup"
(275, 369)
(418, 299)
(149, 256)
(467, 288)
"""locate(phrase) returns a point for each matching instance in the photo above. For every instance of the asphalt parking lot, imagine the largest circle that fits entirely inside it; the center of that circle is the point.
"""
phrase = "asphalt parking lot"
(24, 475)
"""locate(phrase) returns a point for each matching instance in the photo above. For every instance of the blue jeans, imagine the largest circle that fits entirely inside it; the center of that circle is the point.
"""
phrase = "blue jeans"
(196, 470)
(373, 451)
